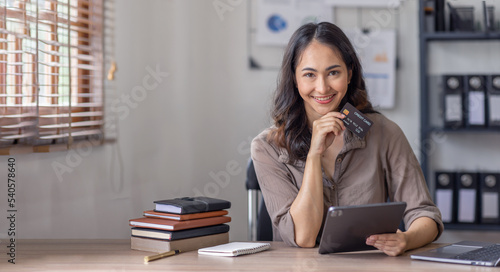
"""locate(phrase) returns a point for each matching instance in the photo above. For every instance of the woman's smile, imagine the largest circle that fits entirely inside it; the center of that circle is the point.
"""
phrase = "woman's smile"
(324, 99)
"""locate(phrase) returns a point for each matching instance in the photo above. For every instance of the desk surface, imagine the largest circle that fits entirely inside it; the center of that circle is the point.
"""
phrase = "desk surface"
(116, 255)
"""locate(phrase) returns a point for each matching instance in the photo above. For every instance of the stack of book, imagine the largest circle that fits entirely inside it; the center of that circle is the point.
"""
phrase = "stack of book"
(183, 224)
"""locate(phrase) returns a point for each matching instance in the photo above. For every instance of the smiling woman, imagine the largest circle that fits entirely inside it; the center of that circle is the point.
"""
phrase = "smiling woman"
(289, 112)
(307, 161)
(322, 79)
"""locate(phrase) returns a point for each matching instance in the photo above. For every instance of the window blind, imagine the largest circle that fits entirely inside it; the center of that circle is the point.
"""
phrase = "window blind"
(51, 71)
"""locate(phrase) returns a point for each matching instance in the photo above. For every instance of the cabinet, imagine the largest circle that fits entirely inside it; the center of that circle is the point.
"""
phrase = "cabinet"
(431, 131)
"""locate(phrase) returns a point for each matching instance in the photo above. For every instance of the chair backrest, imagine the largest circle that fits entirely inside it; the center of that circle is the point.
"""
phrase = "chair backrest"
(251, 183)
(263, 226)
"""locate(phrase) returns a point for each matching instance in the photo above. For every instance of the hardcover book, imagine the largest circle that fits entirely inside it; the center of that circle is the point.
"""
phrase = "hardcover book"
(182, 217)
(189, 244)
(187, 205)
(180, 234)
(166, 224)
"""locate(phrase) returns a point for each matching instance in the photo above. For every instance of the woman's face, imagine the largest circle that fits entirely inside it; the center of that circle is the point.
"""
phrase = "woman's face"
(322, 79)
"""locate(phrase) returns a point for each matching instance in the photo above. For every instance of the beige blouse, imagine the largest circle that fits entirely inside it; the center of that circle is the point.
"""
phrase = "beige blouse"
(379, 167)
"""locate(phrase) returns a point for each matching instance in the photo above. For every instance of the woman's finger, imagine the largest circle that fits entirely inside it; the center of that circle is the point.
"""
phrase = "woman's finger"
(335, 114)
(330, 120)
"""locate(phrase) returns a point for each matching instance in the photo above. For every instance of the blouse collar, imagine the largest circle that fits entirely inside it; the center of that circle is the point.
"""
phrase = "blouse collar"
(351, 142)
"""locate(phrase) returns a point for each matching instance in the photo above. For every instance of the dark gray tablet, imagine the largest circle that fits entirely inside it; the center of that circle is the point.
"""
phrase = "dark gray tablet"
(346, 228)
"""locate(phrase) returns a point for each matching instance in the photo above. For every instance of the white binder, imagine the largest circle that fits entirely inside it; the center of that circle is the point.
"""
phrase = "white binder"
(476, 100)
(444, 195)
(494, 101)
(453, 101)
(490, 195)
(467, 197)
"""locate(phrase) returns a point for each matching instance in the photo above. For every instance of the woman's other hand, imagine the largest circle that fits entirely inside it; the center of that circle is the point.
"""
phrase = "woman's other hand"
(392, 244)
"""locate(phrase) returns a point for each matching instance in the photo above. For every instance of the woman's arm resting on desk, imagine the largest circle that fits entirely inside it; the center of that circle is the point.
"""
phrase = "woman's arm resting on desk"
(307, 208)
(421, 232)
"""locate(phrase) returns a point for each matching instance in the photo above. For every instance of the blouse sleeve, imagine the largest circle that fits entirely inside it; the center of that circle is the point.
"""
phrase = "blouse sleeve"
(277, 185)
(406, 181)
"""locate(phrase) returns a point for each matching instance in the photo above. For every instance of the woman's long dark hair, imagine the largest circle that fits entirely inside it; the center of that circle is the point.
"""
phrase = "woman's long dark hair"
(288, 113)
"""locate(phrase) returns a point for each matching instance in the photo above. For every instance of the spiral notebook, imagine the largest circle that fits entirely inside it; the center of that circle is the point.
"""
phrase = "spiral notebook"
(234, 249)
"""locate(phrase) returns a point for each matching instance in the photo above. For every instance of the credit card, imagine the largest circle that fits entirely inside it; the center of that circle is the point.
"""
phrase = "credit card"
(355, 121)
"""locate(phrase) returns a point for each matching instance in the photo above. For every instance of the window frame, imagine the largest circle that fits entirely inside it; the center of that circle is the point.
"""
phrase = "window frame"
(53, 104)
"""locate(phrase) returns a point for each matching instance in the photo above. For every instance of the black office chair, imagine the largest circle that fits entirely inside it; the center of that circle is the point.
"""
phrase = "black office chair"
(259, 222)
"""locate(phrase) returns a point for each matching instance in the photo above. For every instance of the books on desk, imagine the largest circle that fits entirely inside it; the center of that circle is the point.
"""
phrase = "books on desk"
(187, 205)
(167, 224)
(189, 244)
(182, 228)
(181, 234)
(182, 217)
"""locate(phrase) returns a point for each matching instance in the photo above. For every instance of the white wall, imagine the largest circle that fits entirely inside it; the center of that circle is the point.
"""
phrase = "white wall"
(195, 127)
(195, 124)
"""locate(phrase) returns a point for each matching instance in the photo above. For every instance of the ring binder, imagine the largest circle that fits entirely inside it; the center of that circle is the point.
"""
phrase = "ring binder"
(445, 196)
(467, 197)
(475, 97)
(453, 101)
(493, 104)
(490, 195)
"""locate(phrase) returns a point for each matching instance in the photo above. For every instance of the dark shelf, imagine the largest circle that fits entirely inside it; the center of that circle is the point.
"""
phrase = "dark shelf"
(464, 36)
(425, 40)
(486, 227)
(465, 130)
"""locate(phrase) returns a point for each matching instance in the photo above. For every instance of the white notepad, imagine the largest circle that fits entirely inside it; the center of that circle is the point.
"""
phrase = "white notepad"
(234, 249)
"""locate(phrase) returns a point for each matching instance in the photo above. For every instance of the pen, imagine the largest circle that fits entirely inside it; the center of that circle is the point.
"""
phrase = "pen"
(161, 255)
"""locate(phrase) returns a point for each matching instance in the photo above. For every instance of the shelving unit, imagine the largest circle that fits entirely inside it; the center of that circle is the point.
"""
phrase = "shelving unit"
(457, 36)
(432, 129)
(426, 128)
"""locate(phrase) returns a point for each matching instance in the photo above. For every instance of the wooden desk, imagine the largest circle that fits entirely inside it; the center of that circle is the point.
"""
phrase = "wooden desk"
(116, 255)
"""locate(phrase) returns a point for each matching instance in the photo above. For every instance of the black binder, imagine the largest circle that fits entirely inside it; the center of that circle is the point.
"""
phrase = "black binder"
(440, 21)
(475, 100)
(467, 199)
(445, 196)
(493, 102)
(453, 101)
(490, 198)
